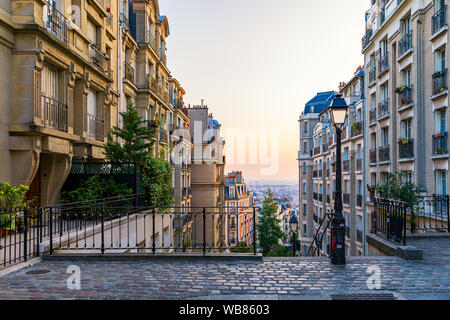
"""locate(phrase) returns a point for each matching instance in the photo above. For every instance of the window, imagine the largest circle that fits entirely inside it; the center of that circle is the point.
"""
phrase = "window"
(441, 182)
(384, 48)
(439, 60)
(384, 93)
(305, 127)
(406, 26)
(440, 121)
(92, 100)
(438, 5)
(92, 32)
(406, 129)
(50, 81)
(373, 141)
(346, 156)
(385, 136)
(304, 167)
(305, 147)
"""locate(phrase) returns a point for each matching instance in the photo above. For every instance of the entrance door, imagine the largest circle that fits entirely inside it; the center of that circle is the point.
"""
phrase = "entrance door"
(35, 190)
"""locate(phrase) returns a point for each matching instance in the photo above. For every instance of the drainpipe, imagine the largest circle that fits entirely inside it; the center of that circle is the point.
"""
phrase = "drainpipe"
(421, 134)
(119, 56)
(365, 222)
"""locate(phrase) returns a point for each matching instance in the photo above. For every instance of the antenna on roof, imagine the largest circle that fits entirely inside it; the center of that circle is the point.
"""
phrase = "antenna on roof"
(202, 103)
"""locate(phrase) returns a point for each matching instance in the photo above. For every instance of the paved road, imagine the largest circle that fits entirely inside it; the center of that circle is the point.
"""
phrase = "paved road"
(273, 278)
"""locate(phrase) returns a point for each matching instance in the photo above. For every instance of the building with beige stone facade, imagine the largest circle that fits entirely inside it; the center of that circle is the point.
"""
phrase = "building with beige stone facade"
(207, 177)
(406, 51)
(240, 214)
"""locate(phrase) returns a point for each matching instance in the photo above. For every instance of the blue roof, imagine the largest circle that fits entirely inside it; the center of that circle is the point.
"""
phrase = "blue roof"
(319, 102)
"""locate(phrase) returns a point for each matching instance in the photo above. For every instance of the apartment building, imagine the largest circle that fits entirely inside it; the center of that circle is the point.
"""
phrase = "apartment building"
(308, 121)
(239, 210)
(207, 176)
(405, 50)
(59, 90)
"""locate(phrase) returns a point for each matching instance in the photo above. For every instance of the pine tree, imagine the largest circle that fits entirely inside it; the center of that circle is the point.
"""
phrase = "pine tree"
(269, 230)
(136, 138)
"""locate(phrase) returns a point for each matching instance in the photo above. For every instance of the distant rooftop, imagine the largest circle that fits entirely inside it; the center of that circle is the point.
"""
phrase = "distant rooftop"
(319, 102)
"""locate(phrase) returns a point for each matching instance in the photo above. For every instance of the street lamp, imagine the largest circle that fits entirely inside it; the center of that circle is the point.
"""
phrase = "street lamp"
(338, 112)
(293, 224)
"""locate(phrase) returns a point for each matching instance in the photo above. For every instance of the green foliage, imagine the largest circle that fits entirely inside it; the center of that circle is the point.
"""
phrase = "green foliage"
(7, 221)
(157, 181)
(95, 188)
(279, 251)
(136, 138)
(269, 230)
(397, 188)
(12, 197)
(242, 248)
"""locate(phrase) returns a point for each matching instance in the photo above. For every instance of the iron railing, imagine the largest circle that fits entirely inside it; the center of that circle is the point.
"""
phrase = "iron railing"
(405, 43)
(99, 59)
(439, 82)
(56, 23)
(373, 156)
(346, 198)
(346, 166)
(383, 108)
(383, 64)
(359, 164)
(439, 19)
(372, 74)
(406, 96)
(366, 38)
(151, 40)
(389, 219)
(316, 245)
(124, 21)
(129, 72)
(373, 115)
(55, 114)
(406, 150)
(384, 153)
(95, 128)
(440, 143)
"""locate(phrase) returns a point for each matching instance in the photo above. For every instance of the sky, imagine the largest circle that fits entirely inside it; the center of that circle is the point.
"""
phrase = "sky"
(257, 62)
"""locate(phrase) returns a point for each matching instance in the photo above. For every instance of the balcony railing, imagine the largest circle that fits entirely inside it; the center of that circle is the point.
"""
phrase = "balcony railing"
(315, 196)
(373, 115)
(373, 156)
(383, 153)
(151, 40)
(359, 164)
(383, 108)
(406, 95)
(359, 236)
(346, 198)
(317, 150)
(372, 74)
(315, 174)
(357, 129)
(55, 114)
(440, 143)
(383, 64)
(366, 38)
(99, 59)
(405, 43)
(381, 17)
(56, 23)
(346, 166)
(439, 82)
(124, 21)
(109, 20)
(95, 128)
(359, 201)
(129, 72)
(162, 56)
(163, 136)
(406, 149)
(439, 19)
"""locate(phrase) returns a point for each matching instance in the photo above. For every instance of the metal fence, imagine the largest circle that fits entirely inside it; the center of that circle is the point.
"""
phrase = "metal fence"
(396, 220)
(122, 225)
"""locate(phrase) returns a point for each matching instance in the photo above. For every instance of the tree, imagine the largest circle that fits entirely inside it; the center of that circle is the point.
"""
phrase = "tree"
(157, 181)
(136, 138)
(269, 230)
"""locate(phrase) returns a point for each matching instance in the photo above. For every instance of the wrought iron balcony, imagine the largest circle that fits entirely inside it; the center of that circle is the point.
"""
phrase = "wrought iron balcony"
(406, 95)
(317, 150)
(359, 236)
(405, 43)
(315, 174)
(373, 115)
(124, 21)
(346, 166)
(55, 114)
(383, 154)
(439, 82)
(56, 23)
(381, 17)
(359, 201)
(383, 108)
(359, 164)
(129, 72)
(357, 129)
(372, 74)
(95, 128)
(163, 136)
(440, 143)
(383, 64)
(439, 19)
(346, 198)
(99, 60)
(151, 40)
(109, 20)
(373, 156)
(366, 38)
(406, 148)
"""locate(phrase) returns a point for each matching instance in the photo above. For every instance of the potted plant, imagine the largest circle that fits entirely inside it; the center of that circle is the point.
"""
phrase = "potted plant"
(403, 141)
(7, 224)
(371, 190)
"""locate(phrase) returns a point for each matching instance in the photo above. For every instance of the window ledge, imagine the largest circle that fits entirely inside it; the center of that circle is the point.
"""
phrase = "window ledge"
(439, 32)
(406, 54)
(441, 94)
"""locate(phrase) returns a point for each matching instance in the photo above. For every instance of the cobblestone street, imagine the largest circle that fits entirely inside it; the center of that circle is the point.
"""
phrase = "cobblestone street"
(273, 278)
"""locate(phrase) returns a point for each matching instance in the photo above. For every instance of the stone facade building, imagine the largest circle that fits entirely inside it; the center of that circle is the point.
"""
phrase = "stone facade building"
(405, 50)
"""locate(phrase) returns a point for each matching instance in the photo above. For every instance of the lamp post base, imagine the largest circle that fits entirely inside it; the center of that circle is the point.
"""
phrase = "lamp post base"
(338, 240)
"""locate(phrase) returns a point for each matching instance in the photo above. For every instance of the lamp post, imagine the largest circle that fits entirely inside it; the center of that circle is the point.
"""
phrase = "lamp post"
(338, 112)
(293, 224)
